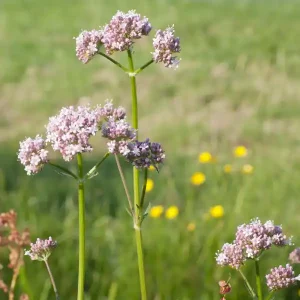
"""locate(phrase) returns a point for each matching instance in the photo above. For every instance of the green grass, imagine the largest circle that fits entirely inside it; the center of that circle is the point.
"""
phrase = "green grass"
(238, 83)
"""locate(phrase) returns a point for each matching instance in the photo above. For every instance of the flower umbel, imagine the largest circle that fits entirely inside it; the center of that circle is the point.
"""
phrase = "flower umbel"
(32, 154)
(41, 249)
(87, 44)
(281, 277)
(70, 130)
(294, 256)
(119, 34)
(231, 255)
(165, 45)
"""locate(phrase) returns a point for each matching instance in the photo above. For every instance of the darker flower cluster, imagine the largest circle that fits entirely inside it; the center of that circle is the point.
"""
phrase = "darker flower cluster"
(250, 241)
(281, 277)
(122, 139)
(165, 45)
(144, 154)
(41, 249)
(32, 154)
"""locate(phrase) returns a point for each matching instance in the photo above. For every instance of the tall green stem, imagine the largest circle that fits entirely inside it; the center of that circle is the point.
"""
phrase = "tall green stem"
(258, 281)
(81, 219)
(249, 287)
(137, 205)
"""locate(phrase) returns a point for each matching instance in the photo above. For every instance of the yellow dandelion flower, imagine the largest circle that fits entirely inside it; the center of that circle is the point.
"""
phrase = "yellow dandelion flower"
(191, 226)
(172, 212)
(217, 211)
(151, 168)
(198, 178)
(149, 185)
(205, 157)
(240, 151)
(227, 168)
(156, 211)
(247, 169)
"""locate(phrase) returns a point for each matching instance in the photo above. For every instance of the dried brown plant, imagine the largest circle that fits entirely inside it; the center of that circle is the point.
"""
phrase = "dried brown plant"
(14, 241)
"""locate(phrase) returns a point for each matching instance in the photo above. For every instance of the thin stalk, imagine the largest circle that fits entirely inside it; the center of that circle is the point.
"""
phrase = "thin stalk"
(64, 170)
(144, 188)
(269, 297)
(124, 183)
(144, 66)
(95, 167)
(114, 61)
(137, 206)
(52, 280)
(81, 219)
(250, 289)
(258, 281)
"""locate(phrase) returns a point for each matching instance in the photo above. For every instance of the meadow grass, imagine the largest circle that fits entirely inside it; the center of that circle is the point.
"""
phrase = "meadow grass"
(238, 83)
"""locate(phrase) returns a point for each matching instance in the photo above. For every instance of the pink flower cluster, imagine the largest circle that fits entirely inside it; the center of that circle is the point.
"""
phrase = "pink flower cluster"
(294, 256)
(32, 154)
(165, 45)
(119, 34)
(250, 241)
(70, 130)
(87, 44)
(122, 139)
(41, 249)
(281, 277)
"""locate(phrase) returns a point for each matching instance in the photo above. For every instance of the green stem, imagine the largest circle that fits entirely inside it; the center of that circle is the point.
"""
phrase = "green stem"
(269, 297)
(81, 219)
(144, 188)
(124, 184)
(95, 167)
(52, 280)
(258, 281)
(144, 66)
(64, 170)
(137, 204)
(114, 61)
(250, 289)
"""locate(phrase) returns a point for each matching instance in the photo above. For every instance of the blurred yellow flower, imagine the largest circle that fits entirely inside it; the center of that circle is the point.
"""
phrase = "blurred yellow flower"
(198, 178)
(205, 157)
(217, 211)
(227, 168)
(172, 212)
(156, 211)
(191, 226)
(247, 169)
(299, 292)
(240, 151)
(151, 168)
(149, 185)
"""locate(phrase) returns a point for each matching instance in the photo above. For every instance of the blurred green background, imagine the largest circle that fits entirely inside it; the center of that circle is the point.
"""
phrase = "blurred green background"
(238, 84)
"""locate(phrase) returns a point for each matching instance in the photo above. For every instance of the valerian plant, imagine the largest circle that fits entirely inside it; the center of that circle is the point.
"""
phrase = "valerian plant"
(70, 130)
(251, 242)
